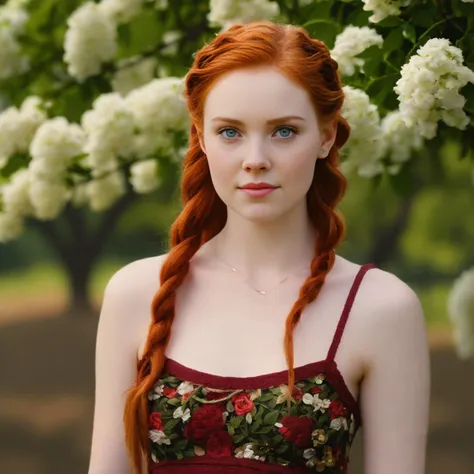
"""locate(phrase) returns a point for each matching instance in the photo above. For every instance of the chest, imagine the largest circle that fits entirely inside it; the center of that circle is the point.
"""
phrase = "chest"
(223, 327)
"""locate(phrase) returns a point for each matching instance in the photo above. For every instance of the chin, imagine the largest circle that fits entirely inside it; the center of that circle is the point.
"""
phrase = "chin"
(259, 214)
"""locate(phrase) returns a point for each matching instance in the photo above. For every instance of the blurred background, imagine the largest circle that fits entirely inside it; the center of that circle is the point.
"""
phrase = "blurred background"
(47, 350)
(417, 224)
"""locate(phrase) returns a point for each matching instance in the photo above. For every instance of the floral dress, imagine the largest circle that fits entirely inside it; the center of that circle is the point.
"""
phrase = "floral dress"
(203, 423)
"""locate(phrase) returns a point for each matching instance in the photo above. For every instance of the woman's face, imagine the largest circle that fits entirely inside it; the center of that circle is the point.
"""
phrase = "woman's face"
(260, 127)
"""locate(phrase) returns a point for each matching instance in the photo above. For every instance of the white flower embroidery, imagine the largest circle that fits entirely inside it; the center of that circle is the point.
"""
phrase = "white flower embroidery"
(248, 418)
(316, 402)
(156, 392)
(178, 413)
(185, 387)
(154, 458)
(310, 456)
(338, 423)
(158, 437)
(247, 452)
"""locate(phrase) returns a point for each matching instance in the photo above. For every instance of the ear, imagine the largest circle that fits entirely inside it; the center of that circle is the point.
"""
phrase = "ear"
(328, 131)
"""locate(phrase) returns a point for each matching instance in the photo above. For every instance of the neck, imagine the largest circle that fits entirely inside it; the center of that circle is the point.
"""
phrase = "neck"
(267, 250)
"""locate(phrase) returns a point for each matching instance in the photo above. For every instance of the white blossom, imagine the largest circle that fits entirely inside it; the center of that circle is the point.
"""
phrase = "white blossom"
(13, 18)
(103, 191)
(16, 194)
(109, 127)
(317, 403)
(246, 451)
(91, 39)
(11, 226)
(48, 198)
(133, 73)
(54, 145)
(158, 437)
(156, 392)
(383, 8)
(159, 110)
(363, 151)
(399, 140)
(185, 416)
(428, 90)
(144, 178)
(18, 126)
(351, 42)
(226, 12)
(170, 40)
(461, 313)
(185, 387)
(338, 423)
(121, 11)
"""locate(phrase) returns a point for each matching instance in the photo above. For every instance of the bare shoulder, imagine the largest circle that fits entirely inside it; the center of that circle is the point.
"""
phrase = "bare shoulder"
(129, 293)
(136, 275)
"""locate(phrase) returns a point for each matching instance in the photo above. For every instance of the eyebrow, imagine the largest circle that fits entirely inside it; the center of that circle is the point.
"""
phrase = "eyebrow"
(270, 122)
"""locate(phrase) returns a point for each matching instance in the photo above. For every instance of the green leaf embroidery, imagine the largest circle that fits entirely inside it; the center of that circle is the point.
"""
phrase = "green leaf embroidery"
(271, 418)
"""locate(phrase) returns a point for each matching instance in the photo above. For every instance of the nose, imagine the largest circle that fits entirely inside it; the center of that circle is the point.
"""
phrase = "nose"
(256, 160)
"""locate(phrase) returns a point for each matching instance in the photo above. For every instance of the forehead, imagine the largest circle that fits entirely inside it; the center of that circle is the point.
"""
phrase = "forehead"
(258, 93)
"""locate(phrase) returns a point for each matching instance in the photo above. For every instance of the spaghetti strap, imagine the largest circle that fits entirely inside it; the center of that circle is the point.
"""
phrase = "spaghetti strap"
(347, 309)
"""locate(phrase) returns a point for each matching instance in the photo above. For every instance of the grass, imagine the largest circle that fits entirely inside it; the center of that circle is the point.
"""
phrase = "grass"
(48, 278)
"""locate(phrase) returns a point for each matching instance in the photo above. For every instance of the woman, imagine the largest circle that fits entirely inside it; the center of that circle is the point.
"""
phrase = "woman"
(252, 265)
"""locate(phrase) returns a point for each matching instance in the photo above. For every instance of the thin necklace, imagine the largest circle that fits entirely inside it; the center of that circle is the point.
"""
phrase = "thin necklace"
(245, 280)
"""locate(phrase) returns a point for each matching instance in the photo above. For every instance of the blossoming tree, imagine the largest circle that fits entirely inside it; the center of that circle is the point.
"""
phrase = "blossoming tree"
(94, 115)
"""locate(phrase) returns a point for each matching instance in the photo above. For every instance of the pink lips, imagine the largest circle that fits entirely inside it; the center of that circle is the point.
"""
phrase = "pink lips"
(257, 189)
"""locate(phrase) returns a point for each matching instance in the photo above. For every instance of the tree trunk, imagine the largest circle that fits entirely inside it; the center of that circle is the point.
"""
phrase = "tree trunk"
(79, 251)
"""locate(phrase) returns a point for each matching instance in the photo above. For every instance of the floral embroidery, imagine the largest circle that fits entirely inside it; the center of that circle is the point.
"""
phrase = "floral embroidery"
(188, 420)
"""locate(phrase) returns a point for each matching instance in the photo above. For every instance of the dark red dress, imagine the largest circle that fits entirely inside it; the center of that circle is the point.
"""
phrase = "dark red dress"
(208, 424)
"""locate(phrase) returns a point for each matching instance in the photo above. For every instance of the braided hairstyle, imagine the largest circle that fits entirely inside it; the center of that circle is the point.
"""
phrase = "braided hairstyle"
(307, 62)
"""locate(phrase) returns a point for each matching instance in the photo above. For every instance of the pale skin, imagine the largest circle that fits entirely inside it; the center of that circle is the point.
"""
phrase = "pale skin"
(383, 356)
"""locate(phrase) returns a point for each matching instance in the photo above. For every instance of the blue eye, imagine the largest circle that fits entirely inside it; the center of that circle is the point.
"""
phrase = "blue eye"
(285, 136)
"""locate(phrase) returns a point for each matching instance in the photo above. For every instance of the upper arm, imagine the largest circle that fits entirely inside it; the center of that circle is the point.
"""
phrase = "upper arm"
(395, 390)
(124, 317)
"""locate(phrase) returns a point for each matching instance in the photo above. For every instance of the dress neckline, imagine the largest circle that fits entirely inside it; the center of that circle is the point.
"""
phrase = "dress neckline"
(327, 367)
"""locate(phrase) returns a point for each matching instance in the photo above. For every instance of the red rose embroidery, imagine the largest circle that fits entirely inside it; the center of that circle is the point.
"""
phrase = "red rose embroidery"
(169, 392)
(242, 404)
(297, 394)
(337, 409)
(155, 422)
(219, 444)
(204, 421)
(316, 390)
(297, 430)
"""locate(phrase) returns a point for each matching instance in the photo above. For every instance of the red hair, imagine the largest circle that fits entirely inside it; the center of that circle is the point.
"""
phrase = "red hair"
(307, 62)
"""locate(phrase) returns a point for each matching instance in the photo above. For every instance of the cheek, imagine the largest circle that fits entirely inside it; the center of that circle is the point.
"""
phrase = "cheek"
(223, 173)
(299, 171)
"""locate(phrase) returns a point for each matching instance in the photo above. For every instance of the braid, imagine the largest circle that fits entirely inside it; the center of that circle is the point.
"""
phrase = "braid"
(323, 197)
(189, 231)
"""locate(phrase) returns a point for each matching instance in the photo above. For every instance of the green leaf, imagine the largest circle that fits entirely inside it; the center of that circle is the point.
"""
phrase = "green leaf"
(266, 397)
(409, 32)
(390, 22)
(230, 430)
(174, 402)
(394, 40)
(14, 163)
(171, 424)
(240, 437)
(236, 421)
(324, 30)
(271, 417)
